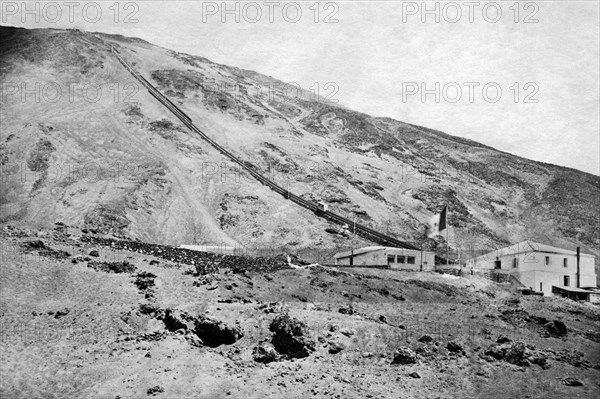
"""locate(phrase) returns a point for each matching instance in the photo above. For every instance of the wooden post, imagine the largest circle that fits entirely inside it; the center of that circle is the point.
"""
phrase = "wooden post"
(578, 271)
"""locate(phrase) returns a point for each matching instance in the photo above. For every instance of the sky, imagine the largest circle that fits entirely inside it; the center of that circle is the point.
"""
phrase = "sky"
(520, 77)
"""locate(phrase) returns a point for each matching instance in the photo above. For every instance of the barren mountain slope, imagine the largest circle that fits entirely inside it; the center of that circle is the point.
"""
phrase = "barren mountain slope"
(160, 183)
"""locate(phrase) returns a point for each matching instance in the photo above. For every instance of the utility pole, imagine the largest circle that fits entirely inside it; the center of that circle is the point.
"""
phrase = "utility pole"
(578, 271)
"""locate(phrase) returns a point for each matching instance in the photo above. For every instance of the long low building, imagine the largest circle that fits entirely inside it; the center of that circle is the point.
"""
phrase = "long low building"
(395, 258)
(542, 267)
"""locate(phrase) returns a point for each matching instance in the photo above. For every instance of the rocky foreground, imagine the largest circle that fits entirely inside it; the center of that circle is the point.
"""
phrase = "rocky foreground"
(88, 315)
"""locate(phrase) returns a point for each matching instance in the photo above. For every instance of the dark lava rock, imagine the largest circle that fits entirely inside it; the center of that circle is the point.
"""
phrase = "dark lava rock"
(556, 328)
(153, 262)
(516, 354)
(154, 390)
(502, 339)
(398, 297)
(175, 319)
(94, 253)
(414, 374)
(383, 319)
(149, 309)
(539, 358)
(349, 310)
(404, 355)
(425, 339)
(336, 347)
(44, 250)
(265, 353)
(496, 351)
(215, 332)
(61, 313)
(454, 346)
(205, 262)
(291, 337)
(572, 382)
(112, 267)
(36, 245)
(144, 280)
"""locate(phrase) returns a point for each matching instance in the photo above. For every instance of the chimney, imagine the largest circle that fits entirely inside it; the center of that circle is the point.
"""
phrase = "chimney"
(578, 257)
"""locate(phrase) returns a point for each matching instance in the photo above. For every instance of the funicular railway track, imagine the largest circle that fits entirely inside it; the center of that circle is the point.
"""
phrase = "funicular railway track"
(363, 231)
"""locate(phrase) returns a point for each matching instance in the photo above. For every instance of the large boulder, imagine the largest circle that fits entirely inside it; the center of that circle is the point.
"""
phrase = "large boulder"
(516, 354)
(455, 347)
(291, 337)
(496, 351)
(556, 328)
(404, 355)
(215, 332)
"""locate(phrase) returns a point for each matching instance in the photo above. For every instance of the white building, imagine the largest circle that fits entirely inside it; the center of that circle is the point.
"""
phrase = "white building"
(395, 258)
(542, 267)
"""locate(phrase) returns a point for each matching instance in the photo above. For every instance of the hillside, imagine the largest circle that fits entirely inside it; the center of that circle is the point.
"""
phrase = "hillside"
(122, 164)
(83, 316)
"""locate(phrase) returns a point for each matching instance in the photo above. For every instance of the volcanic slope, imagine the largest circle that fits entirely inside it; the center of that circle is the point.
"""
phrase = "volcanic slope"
(121, 163)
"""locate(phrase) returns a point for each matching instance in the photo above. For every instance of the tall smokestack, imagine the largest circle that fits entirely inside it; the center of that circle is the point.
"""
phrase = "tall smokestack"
(578, 256)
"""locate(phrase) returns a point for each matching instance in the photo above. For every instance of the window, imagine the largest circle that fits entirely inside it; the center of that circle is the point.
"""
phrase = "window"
(411, 260)
(565, 262)
(566, 281)
(515, 262)
(391, 259)
(541, 287)
(547, 263)
(401, 259)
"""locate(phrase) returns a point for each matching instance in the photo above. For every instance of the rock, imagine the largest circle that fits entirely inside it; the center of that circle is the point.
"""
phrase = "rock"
(175, 319)
(94, 253)
(273, 307)
(414, 374)
(265, 353)
(154, 390)
(556, 328)
(502, 339)
(336, 347)
(61, 313)
(516, 354)
(425, 338)
(215, 332)
(539, 358)
(455, 347)
(334, 328)
(404, 355)
(149, 309)
(382, 319)
(495, 351)
(572, 382)
(348, 332)
(153, 262)
(144, 280)
(349, 310)
(291, 337)
(112, 267)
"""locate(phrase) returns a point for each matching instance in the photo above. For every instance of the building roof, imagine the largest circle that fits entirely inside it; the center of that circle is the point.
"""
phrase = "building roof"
(364, 250)
(571, 289)
(528, 247)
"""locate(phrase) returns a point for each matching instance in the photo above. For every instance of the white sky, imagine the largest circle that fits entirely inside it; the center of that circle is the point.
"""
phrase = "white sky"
(375, 49)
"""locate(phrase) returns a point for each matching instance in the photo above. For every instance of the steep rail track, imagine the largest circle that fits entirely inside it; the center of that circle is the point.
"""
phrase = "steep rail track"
(358, 229)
